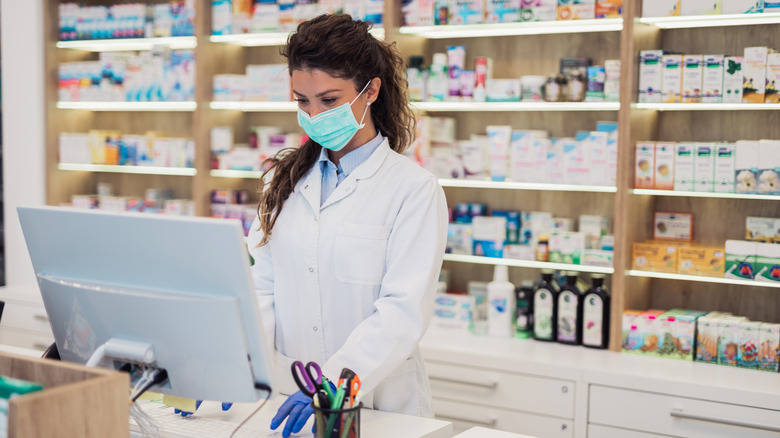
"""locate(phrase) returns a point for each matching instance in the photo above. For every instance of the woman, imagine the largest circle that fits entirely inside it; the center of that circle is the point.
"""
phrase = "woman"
(350, 236)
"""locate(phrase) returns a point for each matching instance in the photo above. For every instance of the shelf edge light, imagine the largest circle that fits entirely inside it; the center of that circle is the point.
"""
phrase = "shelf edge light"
(129, 106)
(511, 29)
(227, 173)
(144, 170)
(708, 106)
(532, 264)
(511, 185)
(254, 106)
(515, 106)
(702, 279)
(271, 38)
(704, 195)
(711, 20)
(127, 44)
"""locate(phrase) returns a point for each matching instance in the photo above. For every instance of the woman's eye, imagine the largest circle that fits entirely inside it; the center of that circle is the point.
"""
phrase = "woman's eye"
(301, 101)
(329, 100)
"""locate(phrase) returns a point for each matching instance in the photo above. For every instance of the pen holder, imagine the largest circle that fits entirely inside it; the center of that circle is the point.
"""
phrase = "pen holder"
(345, 422)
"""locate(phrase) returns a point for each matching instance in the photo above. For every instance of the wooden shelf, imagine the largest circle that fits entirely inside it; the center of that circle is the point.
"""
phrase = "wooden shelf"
(509, 185)
(526, 264)
(711, 20)
(700, 279)
(681, 194)
(510, 29)
(707, 106)
(260, 39)
(142, 170)
(128, 44)
(227, 173)
(130, 106)
(255, 106)
(514, 106)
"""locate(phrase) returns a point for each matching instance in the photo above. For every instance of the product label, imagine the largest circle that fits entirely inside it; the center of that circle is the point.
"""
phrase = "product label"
(593, 318)
(567, 317)
(543, 314)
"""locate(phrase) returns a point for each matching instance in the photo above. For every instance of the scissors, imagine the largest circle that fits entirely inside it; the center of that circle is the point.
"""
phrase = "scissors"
(308, 378)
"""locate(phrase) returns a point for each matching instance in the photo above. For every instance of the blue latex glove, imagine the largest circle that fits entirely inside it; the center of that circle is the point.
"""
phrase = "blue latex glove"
(297, 409)
(225, 407)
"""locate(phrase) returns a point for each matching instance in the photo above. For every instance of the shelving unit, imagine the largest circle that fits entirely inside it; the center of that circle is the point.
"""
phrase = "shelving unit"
(707, 106)
(142, 170)
(129, 44)
(532, 264)
(701, 279)
(516, 49)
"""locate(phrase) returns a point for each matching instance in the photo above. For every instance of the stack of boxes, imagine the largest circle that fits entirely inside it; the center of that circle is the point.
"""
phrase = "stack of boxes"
(758, 257)
(105, 147)
(264, 143)
(234, 204)
(668, 8)
(261, 83)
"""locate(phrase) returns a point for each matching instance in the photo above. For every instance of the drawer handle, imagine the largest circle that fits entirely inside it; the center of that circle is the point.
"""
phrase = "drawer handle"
(42, 318)
(679, 413)
(491, 385)
(489, 423)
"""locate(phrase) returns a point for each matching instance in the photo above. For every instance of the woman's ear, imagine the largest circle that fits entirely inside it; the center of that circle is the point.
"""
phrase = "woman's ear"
(372, 93)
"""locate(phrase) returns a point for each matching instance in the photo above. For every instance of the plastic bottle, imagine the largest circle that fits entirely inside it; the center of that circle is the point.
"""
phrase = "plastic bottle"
(595, 314)
(501, 303)
(437, 78)
(570, 312)
(545, 307)
(416, 78)
(524, 315)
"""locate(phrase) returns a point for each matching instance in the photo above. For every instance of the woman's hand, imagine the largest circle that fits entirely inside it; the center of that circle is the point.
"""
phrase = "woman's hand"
(297, 409)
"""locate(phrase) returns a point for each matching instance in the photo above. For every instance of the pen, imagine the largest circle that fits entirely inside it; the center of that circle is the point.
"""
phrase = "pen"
(335, 406)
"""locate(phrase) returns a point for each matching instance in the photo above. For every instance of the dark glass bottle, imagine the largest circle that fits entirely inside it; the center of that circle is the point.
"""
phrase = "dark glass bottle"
(545, 308)
(569, 312)
(524, 303)
(595, 314)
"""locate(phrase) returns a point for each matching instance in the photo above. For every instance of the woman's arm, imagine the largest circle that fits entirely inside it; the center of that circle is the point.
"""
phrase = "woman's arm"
(263, 276)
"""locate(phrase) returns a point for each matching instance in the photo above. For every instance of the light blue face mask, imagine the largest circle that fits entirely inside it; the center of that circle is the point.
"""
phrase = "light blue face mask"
(334, 128)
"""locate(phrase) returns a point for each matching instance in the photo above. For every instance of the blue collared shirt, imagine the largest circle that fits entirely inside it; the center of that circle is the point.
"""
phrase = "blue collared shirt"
(333, 175)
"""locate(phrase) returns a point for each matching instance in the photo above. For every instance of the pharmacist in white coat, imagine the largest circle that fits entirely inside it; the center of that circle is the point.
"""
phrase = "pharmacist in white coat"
(350, 236)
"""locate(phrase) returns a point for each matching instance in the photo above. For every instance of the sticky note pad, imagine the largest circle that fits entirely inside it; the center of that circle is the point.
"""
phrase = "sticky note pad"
(184, 404)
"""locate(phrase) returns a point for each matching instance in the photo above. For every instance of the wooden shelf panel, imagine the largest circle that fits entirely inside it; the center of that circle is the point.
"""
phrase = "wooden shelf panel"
(509, 185)
(711, 20)
(707, 106)
(261, 39)
(188, 106)
(129, 44)
(509, 29)
(719, 280)
(532, 264)
(682, 194)
(141, 170)
(514, 106)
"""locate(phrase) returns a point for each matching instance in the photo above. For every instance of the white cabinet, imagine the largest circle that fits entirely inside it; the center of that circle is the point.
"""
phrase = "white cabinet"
(669, 415)
(465, 415)
(597, 431)
(24, 321)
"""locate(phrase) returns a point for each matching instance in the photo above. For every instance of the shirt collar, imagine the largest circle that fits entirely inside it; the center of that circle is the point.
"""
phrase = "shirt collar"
(355, 157)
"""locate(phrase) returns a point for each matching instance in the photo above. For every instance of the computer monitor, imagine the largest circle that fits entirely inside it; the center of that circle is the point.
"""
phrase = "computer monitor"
(173, 292)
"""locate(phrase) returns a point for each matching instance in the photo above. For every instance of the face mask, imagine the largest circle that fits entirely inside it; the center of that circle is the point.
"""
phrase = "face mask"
(334, 128)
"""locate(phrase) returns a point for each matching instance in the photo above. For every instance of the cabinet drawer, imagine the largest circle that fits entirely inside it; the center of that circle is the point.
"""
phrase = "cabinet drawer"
(679, 416)
(596, 431)
(465, 416)
(29, 340)
(504, 390)
(26, 317)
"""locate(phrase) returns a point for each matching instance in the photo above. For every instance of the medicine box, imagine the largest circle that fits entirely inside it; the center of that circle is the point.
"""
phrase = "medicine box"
(754, 71)
(452, 311)
(459, 239)
(650, 75)
(684, 166)
(655, 256)
(762, 229)
(566, 247)
(704, 167)
(740, 259)
(576, 164)
(664, 166)
(503, 90)
(609, 8)
(772, 78)
(538, 10)
(664, 332)
(512, 225)
(707, 339)
(767, 262)
(532, 225)
(519, 252)
(749, 340)
(671, 85)
(685, 333)
(725, 167)
(631, 338)
(502, 11)
(769, 348)
(660, 8)
(597, 257)
(673, 226)
(522, 162)
(700, 7)
(593, 227)
(597, 151)
(732, 79)
(769, 167)
(645, 165)
(466, 11)
(488, 235)
(746, 162)
(576, 9)
(692, 78)
(742, 6)
(728, 340)
(771, 6)
(712, 79)
(555, 163)
(702, 261)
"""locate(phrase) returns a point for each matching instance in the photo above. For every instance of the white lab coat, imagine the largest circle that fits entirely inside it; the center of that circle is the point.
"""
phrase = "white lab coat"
(351, 283)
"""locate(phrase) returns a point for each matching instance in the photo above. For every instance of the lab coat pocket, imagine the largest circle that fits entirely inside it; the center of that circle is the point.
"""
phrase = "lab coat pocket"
(361, 253)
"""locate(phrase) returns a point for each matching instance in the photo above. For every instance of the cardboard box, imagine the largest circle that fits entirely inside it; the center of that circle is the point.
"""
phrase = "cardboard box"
(692, 78)
(645, 165)
(488, 234)
(631, 338)
(685, 333)
(712, 79)
(593, 227)
(597, 152)
(673, 226)
(700, 7)
(742, 6)
(466, 11)
(576, 9)
(772, 78)
(703, 261)
(555, 163)
(728, 340)
(749, 340)
(459, 239)
(650, 76)
(704, 167)
(671, 84)
(767, 262)
(453, 312)
(532, 225)
(576, 163)
(746, 163)
(566, 247)
(740, 259)
(502, 11)
(762, 229)
(655, 256)
(769, 348)
(732, 79)
(609, 8)
(725, 167)
(769, 167)
(664, 166)
(684, 166)
(660, 8)
(538, 10)
(597, 257)
(754, 71)
(707, 339)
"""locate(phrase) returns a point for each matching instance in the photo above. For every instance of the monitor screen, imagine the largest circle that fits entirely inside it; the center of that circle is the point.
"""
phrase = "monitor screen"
(136, 288)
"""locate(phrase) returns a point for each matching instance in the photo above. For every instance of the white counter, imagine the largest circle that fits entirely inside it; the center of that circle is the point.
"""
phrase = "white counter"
(482, 432)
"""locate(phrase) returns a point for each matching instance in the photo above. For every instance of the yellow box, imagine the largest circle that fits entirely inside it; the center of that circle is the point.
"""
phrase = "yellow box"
(700, 260)
(656, 256)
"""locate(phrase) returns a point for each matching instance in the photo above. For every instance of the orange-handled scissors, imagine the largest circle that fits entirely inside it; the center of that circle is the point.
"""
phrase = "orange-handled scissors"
(353, 388)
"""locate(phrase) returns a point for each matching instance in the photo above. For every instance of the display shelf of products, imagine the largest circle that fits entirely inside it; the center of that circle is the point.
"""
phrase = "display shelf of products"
(707, 106)
(515, 106)
(683, 194)
(255, 106)
(186, 106)
(509, 29)
(684, 22)
(526, 264)
(486, 184)
(702, 279)
(143, 170)
(228, 173)
(127, 44)
(259, 39)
